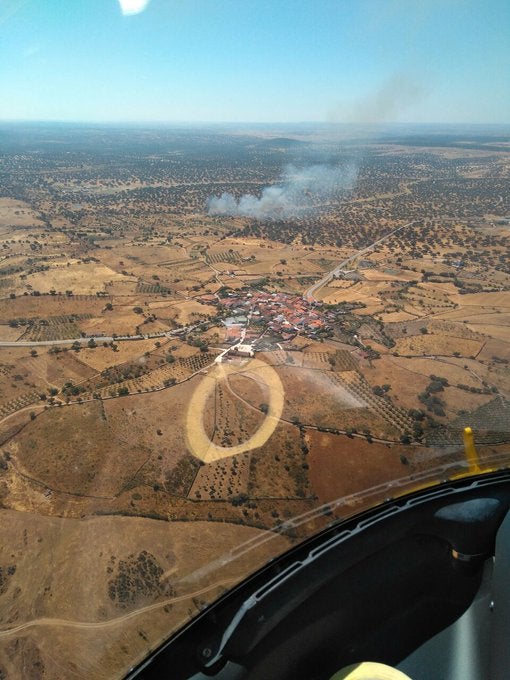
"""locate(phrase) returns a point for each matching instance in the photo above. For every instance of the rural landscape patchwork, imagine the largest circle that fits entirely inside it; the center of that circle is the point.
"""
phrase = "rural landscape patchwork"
(214, 341)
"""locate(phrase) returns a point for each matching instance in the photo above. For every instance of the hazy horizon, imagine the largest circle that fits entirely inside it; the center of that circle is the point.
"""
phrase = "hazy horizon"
(161, 124)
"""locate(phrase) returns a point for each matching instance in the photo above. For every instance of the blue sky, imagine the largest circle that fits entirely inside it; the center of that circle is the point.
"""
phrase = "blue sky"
(256, 61)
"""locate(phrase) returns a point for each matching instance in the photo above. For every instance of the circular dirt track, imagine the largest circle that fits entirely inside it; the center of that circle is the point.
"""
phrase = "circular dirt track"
(199, 443)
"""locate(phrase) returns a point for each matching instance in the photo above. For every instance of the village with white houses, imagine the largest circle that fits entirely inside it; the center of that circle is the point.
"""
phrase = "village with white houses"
(255, 315)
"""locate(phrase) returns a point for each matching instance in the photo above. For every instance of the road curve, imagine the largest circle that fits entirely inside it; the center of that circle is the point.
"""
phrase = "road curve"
(310, 292)
(96, 625)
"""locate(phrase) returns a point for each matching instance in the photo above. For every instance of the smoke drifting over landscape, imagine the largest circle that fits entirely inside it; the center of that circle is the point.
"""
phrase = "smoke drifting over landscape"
(297, 194)
(395, 95)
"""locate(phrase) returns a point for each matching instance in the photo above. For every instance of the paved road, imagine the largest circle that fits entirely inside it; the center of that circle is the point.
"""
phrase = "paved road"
(310, 293)
(97, 338)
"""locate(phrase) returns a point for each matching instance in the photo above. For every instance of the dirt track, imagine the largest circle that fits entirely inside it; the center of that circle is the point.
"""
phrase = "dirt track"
(47, 621)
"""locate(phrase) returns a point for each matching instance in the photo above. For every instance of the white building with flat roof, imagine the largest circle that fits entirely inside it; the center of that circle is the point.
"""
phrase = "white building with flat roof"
(243, 351)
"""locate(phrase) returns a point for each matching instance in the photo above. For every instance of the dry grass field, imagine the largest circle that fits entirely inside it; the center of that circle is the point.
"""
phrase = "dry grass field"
(460, 401)
(126, 350)
(225, 478)
(500, 300)
(72, 607)
(438, 345)
(27, 307)
(368, 292)
(346, 401)
(184, 311)
(65, 450)
(393, 317)
(496, 331)
(390, 275)
(9, 334)
(414, 367)
(23, 378)
(278, 469)
(15, 214)
(340, 467)
(113, 523)
(82, 279)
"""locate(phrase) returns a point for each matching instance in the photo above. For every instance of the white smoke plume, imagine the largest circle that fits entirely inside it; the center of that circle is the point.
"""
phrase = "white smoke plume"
(397, 94)
(299, 191)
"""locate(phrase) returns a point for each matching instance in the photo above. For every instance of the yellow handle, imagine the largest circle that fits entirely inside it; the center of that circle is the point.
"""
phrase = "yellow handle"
(470, 451)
